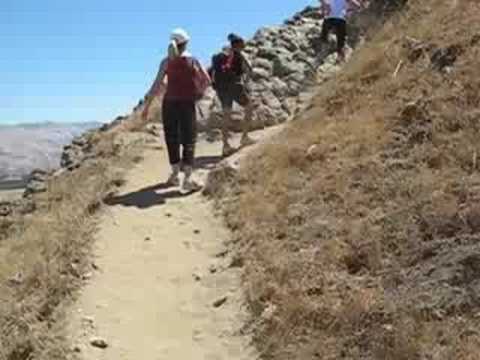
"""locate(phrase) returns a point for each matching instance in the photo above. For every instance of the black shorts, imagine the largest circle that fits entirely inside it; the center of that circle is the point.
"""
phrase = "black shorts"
(234, 93)
(339, 27)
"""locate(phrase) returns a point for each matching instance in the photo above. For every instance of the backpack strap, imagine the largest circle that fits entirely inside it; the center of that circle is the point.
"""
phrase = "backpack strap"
(228, 65)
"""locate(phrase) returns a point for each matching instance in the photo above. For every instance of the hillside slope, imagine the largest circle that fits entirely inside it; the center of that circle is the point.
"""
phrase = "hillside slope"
(360, 228)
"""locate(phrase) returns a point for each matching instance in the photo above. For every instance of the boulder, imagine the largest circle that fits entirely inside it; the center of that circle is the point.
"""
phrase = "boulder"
(271, 101)
(72, 157)
(260, 73)
(6, 208)
(263, 64)
(268, 53)
(35, 187)
(37, 183)
(226, 171)
(283, 67)
(155, 129)
(279, 88)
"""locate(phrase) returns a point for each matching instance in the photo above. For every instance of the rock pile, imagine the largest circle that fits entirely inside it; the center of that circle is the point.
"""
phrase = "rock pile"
(37, 183)
(77, 152)
(6, 208)
(285, 59)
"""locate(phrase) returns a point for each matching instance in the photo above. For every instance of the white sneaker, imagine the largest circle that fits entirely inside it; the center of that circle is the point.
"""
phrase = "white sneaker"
(174, 178)
(190, 186)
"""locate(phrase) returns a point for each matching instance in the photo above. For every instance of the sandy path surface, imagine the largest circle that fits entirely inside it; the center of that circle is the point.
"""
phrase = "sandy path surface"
(162, 280)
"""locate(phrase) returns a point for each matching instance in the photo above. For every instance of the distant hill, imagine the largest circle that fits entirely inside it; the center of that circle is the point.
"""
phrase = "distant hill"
(29, 146)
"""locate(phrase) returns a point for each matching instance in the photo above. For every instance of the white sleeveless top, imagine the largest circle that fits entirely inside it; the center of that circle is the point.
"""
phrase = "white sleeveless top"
(338, 9)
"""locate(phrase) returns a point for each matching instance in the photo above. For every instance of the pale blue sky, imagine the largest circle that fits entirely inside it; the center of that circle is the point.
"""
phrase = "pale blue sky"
(91, 60)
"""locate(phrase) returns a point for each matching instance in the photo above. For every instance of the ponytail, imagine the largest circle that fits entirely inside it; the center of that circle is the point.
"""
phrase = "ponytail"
(173, 50)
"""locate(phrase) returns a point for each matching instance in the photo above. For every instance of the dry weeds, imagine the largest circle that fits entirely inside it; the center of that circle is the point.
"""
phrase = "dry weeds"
(367, 246)
(43, 261)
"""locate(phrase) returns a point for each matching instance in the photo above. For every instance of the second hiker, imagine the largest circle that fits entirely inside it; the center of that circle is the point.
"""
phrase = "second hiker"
(230, 73)
(335, 12)
(187, 80)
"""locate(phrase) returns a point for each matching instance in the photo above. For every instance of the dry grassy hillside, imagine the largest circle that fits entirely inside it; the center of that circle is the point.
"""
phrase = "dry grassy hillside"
(44, 257)
(360, 230)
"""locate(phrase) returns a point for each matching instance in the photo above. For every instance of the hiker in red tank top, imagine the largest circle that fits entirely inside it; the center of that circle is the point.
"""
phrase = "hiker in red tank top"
(180, 81)
(178, 108)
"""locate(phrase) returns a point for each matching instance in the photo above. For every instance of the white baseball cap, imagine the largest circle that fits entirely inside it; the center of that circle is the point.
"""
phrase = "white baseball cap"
(180, 36)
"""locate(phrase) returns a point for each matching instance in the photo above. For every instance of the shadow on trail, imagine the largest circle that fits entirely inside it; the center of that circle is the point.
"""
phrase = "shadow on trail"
(154, 195)
(146, 197)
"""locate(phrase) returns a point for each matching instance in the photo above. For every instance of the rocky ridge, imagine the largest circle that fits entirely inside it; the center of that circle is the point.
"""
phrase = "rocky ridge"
(287, 62)
(285, 59)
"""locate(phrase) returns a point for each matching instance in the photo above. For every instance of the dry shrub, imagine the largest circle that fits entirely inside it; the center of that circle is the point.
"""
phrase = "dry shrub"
(42, 262)
(353, 224)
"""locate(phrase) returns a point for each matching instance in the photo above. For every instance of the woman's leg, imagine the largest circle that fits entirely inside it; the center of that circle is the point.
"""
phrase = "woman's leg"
(171, 131)
(188, 131)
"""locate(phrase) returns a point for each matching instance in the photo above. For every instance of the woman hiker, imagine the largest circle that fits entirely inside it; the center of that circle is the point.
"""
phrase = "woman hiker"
(178, 109)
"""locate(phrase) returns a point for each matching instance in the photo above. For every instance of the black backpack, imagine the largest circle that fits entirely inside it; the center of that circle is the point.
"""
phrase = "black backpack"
(225, 69)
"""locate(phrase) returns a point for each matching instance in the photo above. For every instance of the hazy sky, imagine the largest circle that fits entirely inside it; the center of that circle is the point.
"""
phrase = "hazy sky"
(91, 60)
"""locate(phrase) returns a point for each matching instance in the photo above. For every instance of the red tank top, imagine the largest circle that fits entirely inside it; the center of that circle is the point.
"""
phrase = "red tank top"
(180, 74)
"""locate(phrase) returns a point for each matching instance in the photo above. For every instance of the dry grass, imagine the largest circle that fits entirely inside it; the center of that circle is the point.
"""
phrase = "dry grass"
(367, 246)
(43, 260)
(135, 121)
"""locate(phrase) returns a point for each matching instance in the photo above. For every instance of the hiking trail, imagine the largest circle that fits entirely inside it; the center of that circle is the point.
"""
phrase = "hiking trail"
(163, 288)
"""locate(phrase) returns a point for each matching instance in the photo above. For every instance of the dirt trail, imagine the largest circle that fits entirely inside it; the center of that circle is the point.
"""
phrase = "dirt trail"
(160, 275)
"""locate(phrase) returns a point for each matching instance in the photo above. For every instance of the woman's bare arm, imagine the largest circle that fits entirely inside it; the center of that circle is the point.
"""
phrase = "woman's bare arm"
(156, 87)
(159, 80)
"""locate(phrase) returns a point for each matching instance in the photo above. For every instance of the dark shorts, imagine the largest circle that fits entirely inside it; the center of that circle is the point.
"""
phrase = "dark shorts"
(339, 27)
(237, 93)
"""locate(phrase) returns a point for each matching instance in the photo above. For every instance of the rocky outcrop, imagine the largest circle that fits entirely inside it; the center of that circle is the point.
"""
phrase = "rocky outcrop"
(37, 182)
(285, 59)
(217, 178)
(6, 208)
(77, 152)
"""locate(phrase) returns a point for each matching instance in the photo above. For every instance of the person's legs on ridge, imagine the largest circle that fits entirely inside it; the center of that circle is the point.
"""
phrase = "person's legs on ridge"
(242, 98)
(326, 28)
(171, 131)
(247, 123)
(323, 47)
(227, 105)
(341, 34)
